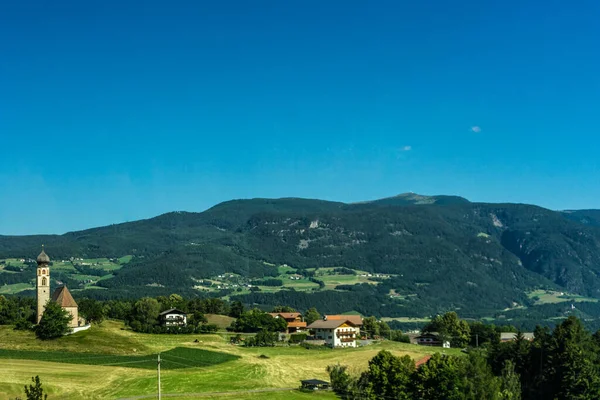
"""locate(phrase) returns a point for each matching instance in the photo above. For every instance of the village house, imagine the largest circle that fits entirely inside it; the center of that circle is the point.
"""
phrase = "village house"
(335, 332)
(510, 336)
(355, 319)
(293, 319)
(432, 339)
(173, 317)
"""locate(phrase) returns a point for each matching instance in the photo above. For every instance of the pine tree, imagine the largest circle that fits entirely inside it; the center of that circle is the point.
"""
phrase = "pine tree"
(54, 323)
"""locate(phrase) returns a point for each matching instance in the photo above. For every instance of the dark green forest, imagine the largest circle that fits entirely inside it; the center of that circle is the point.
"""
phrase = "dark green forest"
(443, 253)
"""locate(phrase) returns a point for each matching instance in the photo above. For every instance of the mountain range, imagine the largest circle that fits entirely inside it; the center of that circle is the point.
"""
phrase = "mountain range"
(437, 253)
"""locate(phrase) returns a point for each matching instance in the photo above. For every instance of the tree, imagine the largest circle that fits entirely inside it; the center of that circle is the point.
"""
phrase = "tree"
(263, 338)
(282, 309)
(390, 376)
(384, 329)
(236, 309)
(92, 310)
(571, 367)
(176, 301)
(198, 318)
(439, 379)
(339, 378)
(35, 391)
(510, 383)
(478, 380)
(371, 327)
(451, 328)
(54, 323)
(257, 320)
(146, 311)
(311, 315)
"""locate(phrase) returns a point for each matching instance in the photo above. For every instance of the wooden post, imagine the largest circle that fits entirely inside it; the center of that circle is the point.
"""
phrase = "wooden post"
(158, 365)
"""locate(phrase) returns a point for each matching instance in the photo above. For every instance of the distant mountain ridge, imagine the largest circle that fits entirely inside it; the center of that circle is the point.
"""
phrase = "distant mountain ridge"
(441, 252)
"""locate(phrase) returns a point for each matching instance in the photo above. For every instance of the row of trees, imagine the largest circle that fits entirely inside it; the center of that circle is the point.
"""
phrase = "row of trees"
(562, 364)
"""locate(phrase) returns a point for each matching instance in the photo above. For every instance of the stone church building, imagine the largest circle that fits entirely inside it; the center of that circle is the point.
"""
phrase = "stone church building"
(61, 294)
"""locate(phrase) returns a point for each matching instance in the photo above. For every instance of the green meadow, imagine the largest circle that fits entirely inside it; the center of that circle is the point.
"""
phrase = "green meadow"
(111, 362)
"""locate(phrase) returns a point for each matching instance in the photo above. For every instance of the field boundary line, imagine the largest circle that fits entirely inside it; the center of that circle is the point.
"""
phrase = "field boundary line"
(207, 394)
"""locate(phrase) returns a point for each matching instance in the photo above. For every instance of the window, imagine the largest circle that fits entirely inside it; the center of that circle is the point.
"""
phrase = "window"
(43, 272)
(44, 281)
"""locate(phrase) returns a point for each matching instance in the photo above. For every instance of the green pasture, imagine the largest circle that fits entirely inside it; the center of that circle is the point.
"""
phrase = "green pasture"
(16, 262)
(176, 358)
(15, 288)
(69, 369)
(553, 297)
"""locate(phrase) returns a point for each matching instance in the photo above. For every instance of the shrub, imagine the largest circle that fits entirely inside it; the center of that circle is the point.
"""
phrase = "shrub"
(298, 337)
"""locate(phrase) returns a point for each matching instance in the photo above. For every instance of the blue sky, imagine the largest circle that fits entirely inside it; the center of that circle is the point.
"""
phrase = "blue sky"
(112, 112)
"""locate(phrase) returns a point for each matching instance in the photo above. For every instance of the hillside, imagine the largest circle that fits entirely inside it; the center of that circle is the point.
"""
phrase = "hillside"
(403, 256)
(107, 362)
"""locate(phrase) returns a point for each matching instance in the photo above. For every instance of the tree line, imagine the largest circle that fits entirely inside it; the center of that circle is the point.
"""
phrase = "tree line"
(560, 364)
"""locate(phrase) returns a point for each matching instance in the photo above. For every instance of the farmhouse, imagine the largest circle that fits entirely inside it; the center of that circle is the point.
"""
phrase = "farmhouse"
(336, 332)
(173, 317)
(432, 339)
(355, 319)
(510, 336)
(429, 339)
(293, 319)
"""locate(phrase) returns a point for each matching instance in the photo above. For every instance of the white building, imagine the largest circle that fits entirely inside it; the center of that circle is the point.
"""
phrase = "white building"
(335, 332)
(173, 317)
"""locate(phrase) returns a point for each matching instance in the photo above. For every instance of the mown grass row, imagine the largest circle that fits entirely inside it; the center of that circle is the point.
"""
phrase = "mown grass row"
(177, 358)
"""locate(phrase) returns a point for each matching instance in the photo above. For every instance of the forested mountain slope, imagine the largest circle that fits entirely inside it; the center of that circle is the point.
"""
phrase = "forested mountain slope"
(437, 252)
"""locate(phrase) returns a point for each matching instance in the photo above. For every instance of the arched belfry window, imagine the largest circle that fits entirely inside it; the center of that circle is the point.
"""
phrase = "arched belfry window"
(43, 272)
(44, 281)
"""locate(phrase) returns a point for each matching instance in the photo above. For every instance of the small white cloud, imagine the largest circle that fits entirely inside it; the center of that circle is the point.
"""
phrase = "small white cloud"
(476, 129)
(406, 148)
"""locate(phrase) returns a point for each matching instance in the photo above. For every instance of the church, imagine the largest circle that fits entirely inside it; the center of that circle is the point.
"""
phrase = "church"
(61, 295)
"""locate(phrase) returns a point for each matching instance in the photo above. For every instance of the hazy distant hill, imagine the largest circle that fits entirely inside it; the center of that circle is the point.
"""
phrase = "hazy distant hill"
(441, 252)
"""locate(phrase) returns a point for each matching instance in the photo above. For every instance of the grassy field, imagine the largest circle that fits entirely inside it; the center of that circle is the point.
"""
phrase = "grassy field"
(407, 319)
(222, 321)
(176, 358)
(221, 367)
(548, 296)
(16, 288)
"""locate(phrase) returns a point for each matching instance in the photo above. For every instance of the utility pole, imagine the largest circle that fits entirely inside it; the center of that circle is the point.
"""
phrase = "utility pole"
(158, 367)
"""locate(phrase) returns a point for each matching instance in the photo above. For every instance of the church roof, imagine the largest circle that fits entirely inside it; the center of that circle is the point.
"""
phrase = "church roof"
(43, 257)
(63, 297)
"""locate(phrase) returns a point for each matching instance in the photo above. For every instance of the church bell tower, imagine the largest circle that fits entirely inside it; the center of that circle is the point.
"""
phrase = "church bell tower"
(43, 283)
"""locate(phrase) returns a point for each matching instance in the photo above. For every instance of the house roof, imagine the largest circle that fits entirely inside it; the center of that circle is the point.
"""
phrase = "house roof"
(297, 324)
(285, 315)
(355, 319)
(330, 323)
(63, 297)
(422, 361)
(314, 382)
(173, 311)
(428, 335)
(513, 335)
